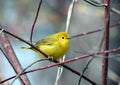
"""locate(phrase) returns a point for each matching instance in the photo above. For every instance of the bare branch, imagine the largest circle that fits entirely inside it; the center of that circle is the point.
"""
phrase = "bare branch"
(35, 20)
(94, 31)
(67, 61)
(106, 41)
(11, 57)
(68, 68)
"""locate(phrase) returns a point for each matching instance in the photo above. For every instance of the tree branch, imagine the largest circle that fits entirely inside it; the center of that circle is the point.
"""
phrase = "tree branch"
(11, 57)
(106, 41)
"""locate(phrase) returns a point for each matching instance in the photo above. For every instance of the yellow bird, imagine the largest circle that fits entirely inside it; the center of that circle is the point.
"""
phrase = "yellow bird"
(55, 45)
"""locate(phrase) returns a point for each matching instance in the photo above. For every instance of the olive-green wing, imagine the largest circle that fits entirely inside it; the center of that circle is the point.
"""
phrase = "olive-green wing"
(45, 42)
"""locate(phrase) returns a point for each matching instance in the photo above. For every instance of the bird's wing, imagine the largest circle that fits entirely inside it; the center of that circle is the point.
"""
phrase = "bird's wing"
(45, 42)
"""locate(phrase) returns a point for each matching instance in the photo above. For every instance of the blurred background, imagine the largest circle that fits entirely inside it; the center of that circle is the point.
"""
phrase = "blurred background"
(17, 16)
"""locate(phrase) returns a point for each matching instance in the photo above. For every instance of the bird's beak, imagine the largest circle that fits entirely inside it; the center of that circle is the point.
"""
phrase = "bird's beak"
(69, 38)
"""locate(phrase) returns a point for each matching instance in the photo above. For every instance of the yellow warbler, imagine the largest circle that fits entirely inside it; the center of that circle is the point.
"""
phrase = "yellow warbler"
(55, 45)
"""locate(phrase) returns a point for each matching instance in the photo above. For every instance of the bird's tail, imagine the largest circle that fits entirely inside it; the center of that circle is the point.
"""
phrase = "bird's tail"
(26, 47)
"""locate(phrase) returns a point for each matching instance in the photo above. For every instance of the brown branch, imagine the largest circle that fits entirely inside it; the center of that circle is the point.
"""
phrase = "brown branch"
(105, 42)
(66, 61)
(11, 57)
(85, 33)
(94, 31)
(35, 20)
(1, 78)
(70, 69)
(77, 73)
(23, 41)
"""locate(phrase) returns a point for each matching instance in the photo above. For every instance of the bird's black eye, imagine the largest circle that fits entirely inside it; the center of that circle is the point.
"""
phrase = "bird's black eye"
(63, 38)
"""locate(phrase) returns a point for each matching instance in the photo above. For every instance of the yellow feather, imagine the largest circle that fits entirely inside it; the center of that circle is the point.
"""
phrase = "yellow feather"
(55, 45)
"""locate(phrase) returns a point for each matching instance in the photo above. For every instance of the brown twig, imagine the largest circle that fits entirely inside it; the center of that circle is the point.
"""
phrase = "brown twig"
(70, 69)
(18, 75)
(85, 33)
(24, 41)
(66, 61)
(36, 16)
(106, 41)
(1, 78)
(94, 31)
(11, 57)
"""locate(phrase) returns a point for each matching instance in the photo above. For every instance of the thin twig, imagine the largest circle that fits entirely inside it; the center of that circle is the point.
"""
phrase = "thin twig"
(36, 16)
(85, 33)
(24, 42)
(94, 3)
(18, 75)
(1, 78)
(11, 57)
(94, 31)
(68, 68)
(116, 11)
(73, 36)
(85, 68)
(97, 4)
(67, 61)
(90, 60)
